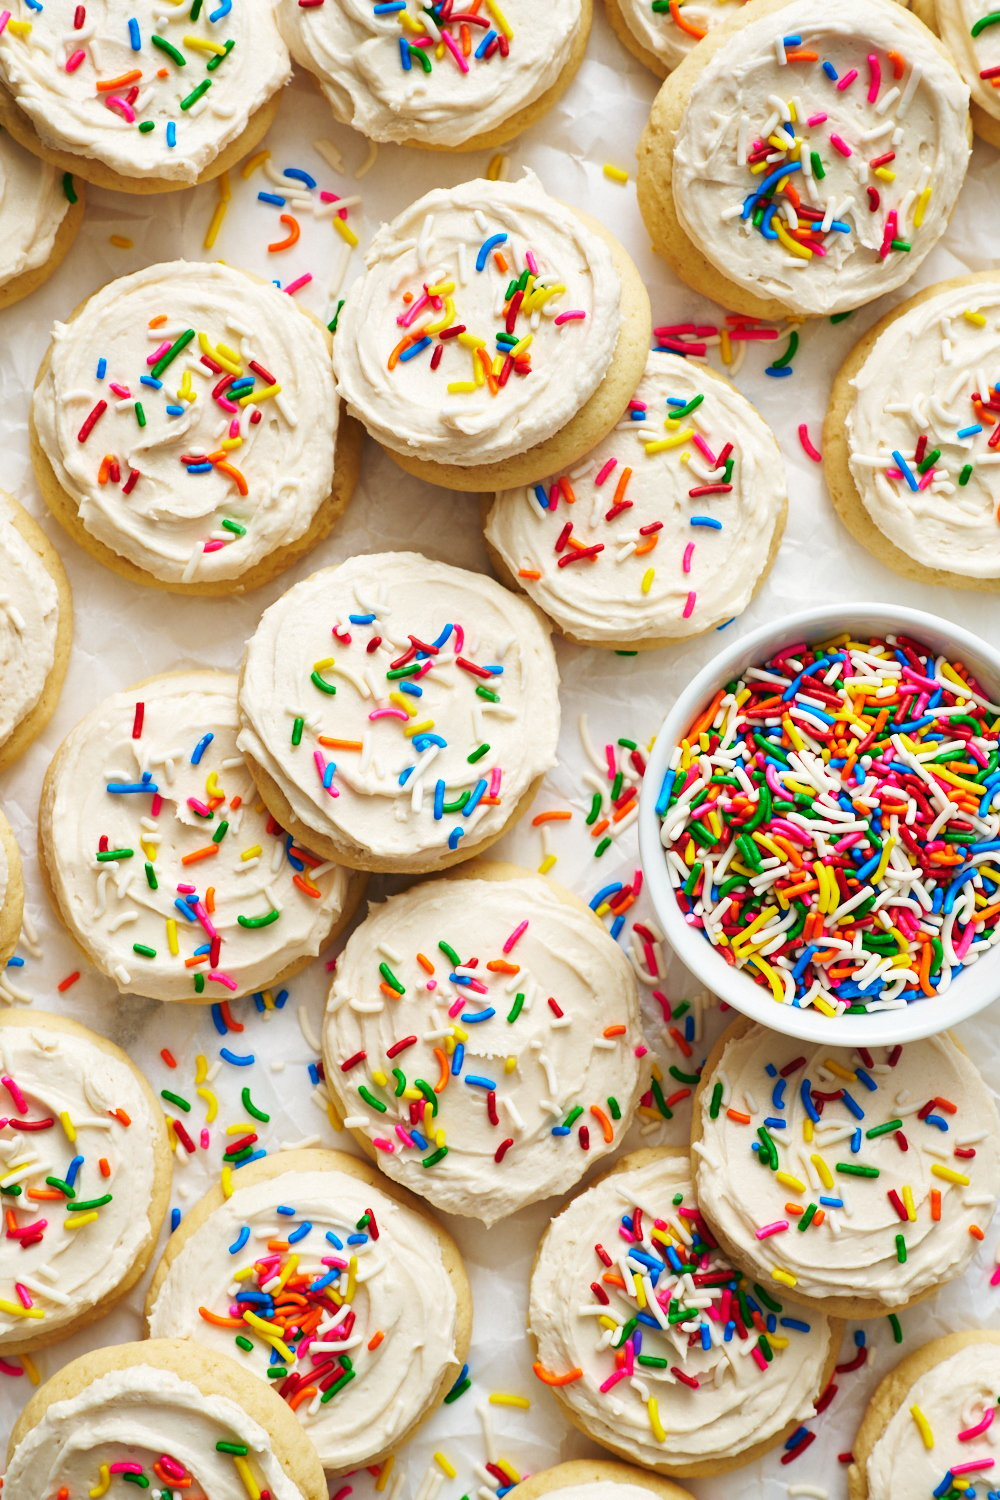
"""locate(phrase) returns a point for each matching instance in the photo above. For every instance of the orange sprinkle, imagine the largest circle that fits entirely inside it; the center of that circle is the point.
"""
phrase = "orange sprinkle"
(549, 1377)
(168, 1057)
(376, 1339)
(445, 1072)
(935, 1204)
(738, 1116)
(675, 15)
(44, 1195)
(300, 1396)
(501, 263)
(120, 1115)
(210, 900)
(503, 966)
(307, 886)
(621, 486)
(218, 1321)
(198, 854)
(598, 828)
(158, 321)
(105, 1166)
(425, 963)
(333, 744)
(108, 85)
(976, 1232)
(610, 1031)
(602, 1119)
(291, 238)
(623, 812)
(560, 815)
(528, 573)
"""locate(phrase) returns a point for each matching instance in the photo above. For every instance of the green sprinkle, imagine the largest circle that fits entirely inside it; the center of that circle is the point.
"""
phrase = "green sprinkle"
(806, 1218)
(391, 980)
(233, 526)
(169, 355)
(61, 1186)
(170, 50)
(901, 245)
(573, 1116)
(897, 1329)
(653, 1361)
(900, 1249)
(144, 950)
(515, 1009)
(839, 317)
(478, 754)
(488, 694)
(151, 879)
(716, 1103)
(691, 1078)
(428, 1093)
(196, 10)
(395, 672)
(602, 846)
(453, 1395)
(595, 810)
(855, 1169)
(247, 1346)
(176, 1100)
(145, 126)
(885, 1129)
(450, 954)
(274, 1372)
(789, 354)
(218, 59)
(272, 916)
(771, 1303)
(661, 1103)
(435, 1157)
(324, 687)
(199, 983)
(105, 855)
(79, 1208)
(220, 832)
(251, 1108)
(370, 1099)
(332, 325)
(614, 1107)
(193, 98)
(400, 1078)
(928, 461)
(239, 1449)
(765, 1348)
(297, 729)
(965, 475)
(140, 415)
(817, 165)
(69, 189)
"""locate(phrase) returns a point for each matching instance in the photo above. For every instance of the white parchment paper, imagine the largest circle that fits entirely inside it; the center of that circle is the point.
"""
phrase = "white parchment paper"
(125, 633)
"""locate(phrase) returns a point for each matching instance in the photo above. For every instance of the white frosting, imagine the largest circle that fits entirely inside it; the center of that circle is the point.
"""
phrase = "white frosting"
(853, 1251)
(736, 1405)
(917, 383)
(136, 1416)
(71, 112)
(954, 1397)
(29, 623)
(438, 242)
(742, 96)
(384, 735)
(669, 41)
(973, 55)
(112, 905)
(278, 446)
(69, 1259)
(649, 583)
(403, 1292)
(356, 57)
(528, 1065)
(32, 207)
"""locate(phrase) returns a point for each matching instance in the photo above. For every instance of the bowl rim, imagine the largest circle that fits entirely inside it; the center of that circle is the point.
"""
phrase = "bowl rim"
(970, 993)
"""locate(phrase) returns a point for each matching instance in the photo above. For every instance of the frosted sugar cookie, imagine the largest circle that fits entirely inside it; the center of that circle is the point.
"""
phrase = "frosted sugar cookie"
(911, 434)
(859, 1181)
(661, 33)
(84, 1172)
(447, 76)
(721, 1371)
(397, 713)
(183, 1419)
(665, 530)
(370, 1296)
(805, 158)
(40, 213)
(968, 30)
(11, 891)
(928, 1424)
(170, 874)
(185, 429)
(482, 1040)
(495, 334)
(36, 628)
(599, 1479)
(138, 101)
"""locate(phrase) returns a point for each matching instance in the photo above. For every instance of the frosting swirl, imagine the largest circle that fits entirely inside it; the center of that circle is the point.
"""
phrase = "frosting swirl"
(890, 1157)
(367, 1283)
(821, 172)
(922, 392)
(32, 208)
(479, 1033)
(189, 412)
(154, 1424)
(81, 1142)
(389, 76)
(156, 97)
(165, 868)
(29, 622)
(681, 539)
(701, 1388)
(669, 31)
(409, 735)
(487, 317)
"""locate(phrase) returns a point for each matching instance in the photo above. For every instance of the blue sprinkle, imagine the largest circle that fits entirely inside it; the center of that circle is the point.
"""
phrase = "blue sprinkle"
(334, 1240)
(240, 1240)
(476, 796)
(217, 1020)
(404, 54)
(313, 1069)
(485, 248)
(151, 380)
(298, 175)
(237, 1060)
(274, 198)
(832, 1202)
(779, 371)
(469, 1017)
(795, 1323)
(414, 350)
(301, 1231)
(830, 71)
(134, 35)
(73, 1169)
(709, 521)
(477, 1081)
(102, 368)
(458, 1058)
(967, 432)
(200, 748)
(905, 470)
(171, 133)
(541, 496)
(15, 962)
(361, 619)
(856, 1141)
(175, 1219)
(484, 45)
(852, 1105)
(254, 1156)
(454, 836)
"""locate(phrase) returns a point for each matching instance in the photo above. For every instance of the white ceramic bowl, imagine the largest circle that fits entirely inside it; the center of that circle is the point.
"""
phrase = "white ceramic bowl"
(974, 988)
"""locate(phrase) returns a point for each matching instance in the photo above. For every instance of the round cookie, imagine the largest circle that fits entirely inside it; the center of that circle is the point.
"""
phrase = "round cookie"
(683, 539)
(976, 51)
(141, 105)
(404, 750)
(481, 1029)
(912, 386)
(39, 219)
(496, 335)
(11, 891)
(85, 1171)
(360, 1268)
(36, 629)
(168, 872)
(167, 1412)
(389, 76)
(700, 1395)
(892, 1184)
(185, 429)
(880, 158)
(599, 1479)
(927, 1427)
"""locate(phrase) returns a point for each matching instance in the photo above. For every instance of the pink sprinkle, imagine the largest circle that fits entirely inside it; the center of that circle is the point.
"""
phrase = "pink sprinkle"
(807, 446)
(227, 980)
(965, 942)
(456, 1006)
(124, 1468)
(688, 610)
(980, 1428)
(234, 427)
(4, 18)
(381, 1144)
(688, 554)
(20, 1101)
(531, 262)
(187, 890)
(199, 807)
(405, 319)
(453, 49)
(926, 479)
(890, 234)
(817, 120)
(156, 354)
(123, 390)
(388, 713)
(606, 470)
(847, 80)
(173, 1468)
(839, 144)
(213, 546)
(758, 1358)
(496, 776)
(23, 1294)
(518, 932)
(703, 448)
(777, 1227)
(205, 1139)
(9, 1369)
(613, 1380)
(875, 70)
(573, 316)
(404, 1136)
(75, 59)
(122, 107)
(296, 286)
(974, 1463)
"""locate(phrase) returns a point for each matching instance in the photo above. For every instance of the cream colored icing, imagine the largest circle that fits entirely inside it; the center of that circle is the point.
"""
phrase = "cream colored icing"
(382, 798)
(71, 112)
(744, 93)
(954, 1397)
(647, 583)
(135, 1416)
(4, 875)
(29, 623)
(68, 1259)
(355, 55)
(168, 520)
(736, 1404)
(32, 207)
(918, 384)
(438, 242)
(973, 55)
(604, 1489)
(403, 1291)
(112, 905)
(668, 40)
(532, 1064)
(853, 1252)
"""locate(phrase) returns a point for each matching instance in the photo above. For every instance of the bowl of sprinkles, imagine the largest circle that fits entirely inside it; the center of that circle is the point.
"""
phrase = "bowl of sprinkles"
(820, 824)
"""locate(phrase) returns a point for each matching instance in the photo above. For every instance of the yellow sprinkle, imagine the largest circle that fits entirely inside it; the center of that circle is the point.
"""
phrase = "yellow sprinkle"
(616, 174)
(509, 1470)
(883, 863)
(469, 341)
(211, 1101)
(510, 1063)
(546, 864)
(15, 1310)
(640, 1294)
(19, 28)
(219, 212)
(655, 1424)
(352, 1278)
(501, 20)
(923, 1426)
(647, 580)
(261, 395)
(344, 230)
(921, 208)
(244, 1471)
(261, 1324)
(807, 1131)
(30, 1368)
(785, 1277)
(497, 167)
(103, 1485)
(839, 1071)
(725, 346)
(793, 734)
(424, 727)
(227, 1181)
(909, 1205)
(948, 1174)
(825, 1175)
(507, 1398)
(202, 44)
(516, 350)
(200, 1068)
(77, 1221)
(121, 241)
(403, 701)
(661, 445)
(67, 1125)
(885, 174)
(333, 1117)
(379, 1077)
(250, 166)
(787, 1180)
(252, 852)
(604, 1320)
(974, 317)
(826, 1008)
(384, 1472)
(461, 387)
(792, 246)
(445, 1464)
